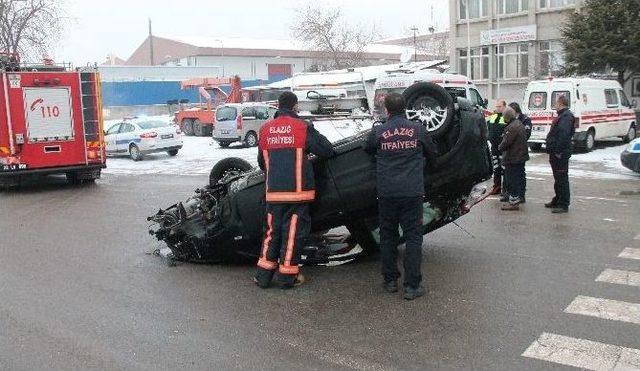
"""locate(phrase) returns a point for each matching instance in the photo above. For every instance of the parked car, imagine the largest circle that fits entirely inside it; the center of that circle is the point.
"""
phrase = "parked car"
(138, 137)
(225, 218)
(630, 157)
(601, 108)
(240, 122)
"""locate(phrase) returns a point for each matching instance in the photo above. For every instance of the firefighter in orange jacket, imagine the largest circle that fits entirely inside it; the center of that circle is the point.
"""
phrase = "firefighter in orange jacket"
(285, 143)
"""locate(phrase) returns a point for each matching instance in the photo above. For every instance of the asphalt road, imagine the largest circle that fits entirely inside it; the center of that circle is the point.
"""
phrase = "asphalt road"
(79, 290)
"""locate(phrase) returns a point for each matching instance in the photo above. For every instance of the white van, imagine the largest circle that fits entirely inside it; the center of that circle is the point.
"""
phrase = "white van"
(424, 107)
(601, 108)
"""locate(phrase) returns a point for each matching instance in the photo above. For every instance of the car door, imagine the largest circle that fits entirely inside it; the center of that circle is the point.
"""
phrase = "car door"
(249, 121)
(126, 135)
(612, 119)
(111, 138)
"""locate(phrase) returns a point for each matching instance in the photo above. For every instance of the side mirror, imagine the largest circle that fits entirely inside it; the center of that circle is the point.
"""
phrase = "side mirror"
(634, 104)
(485, 103)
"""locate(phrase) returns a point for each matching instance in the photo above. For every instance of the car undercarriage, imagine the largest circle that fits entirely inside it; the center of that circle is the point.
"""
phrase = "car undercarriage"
(224, 220)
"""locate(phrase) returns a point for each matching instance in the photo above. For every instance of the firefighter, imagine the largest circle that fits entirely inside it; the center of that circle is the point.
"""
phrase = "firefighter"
(284, 145)
(496, 126)
(400, 147)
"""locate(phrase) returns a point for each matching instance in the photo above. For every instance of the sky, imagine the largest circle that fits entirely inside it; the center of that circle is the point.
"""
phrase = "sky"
(97, 28)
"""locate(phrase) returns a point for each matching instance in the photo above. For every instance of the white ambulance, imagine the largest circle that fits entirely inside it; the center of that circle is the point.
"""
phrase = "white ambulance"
(601, 108)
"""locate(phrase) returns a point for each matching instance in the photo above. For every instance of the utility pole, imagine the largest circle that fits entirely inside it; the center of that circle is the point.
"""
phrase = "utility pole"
(415, 51)
(150, 43)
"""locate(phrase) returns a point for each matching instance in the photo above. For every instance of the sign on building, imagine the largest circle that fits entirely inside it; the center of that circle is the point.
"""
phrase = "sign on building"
(508, 35)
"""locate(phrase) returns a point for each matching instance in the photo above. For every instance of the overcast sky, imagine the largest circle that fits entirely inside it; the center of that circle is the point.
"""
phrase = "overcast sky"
(97, 28)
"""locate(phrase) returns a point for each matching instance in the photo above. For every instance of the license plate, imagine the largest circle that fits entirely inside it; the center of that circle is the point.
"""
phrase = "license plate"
(225, 131)
(538, 128)
(167, 136)
(13, 167)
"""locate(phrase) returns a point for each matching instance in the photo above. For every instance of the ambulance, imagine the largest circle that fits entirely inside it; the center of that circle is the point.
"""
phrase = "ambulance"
(601, 108)
(50, 122)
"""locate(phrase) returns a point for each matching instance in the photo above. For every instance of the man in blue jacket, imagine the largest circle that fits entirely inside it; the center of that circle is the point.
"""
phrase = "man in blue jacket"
(559, 142)
(400, 147)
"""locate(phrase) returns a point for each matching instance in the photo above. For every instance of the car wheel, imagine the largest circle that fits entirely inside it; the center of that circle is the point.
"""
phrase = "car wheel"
(187, 127)
(228, 167)
(172, 152)
(535, 147)
(198, 128)
(431, 105)
(589, 142)
(134, 153)
(251, 140)
(631, 134)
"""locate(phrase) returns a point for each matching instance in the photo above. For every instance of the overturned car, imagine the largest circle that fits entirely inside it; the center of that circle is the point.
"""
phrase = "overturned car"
(224, 219)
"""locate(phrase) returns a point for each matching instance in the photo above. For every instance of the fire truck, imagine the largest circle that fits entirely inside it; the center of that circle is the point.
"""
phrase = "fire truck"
(50, 122)
(199, 120)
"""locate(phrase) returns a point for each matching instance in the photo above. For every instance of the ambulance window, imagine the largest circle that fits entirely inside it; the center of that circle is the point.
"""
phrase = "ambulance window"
(623, 99)
(611, 98)
(114, 129)
(557, 94)
(538, 100)
(457, 92)
(476, 98)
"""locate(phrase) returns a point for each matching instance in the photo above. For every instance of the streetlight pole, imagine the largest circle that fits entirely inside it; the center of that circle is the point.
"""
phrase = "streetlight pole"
(415, 51)
(221, 54)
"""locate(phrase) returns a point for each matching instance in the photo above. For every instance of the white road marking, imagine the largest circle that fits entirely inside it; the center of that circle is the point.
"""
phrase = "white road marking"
(620, 277)
(630, 253)
(605, 308)
(609, 220)
(582, 353)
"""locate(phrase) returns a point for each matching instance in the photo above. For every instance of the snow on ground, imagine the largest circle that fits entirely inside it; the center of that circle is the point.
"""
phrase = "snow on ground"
(199, 154)
(602, 163)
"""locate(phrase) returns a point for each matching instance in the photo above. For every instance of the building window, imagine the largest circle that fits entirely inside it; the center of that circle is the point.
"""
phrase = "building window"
(551, 58)
(478, 64)
(476, 9)
(512, 6)
(512, 61)
(556, 3)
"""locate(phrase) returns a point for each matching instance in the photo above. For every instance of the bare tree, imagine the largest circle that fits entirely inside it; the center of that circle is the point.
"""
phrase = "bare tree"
(336, 44)
(30, 27)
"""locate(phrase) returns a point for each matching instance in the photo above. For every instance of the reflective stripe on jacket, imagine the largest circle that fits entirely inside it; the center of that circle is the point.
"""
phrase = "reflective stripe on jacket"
(284, 145)
(496, 126)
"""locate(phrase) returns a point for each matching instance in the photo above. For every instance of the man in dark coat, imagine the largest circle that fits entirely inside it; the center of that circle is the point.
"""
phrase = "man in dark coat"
(400, 147)
(514, 155)
(559, 142)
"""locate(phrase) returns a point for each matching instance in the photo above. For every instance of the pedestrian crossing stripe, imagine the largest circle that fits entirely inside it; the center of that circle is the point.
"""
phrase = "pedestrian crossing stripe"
(619, 277)
(605, 308)
(581, 353)
(630, 253)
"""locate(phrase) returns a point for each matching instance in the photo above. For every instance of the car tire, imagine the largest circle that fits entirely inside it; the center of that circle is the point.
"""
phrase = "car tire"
(589, 142)
(187, 127)
(535, 147)
(226, 167)
(251, 139)
(631, 134)
(172, 152)
(198, 128)
(134, 153)
(431, 105)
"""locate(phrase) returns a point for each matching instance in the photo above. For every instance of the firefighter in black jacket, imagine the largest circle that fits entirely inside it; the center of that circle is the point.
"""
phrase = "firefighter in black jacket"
(559, 142)
(400, 147)
(284, 145)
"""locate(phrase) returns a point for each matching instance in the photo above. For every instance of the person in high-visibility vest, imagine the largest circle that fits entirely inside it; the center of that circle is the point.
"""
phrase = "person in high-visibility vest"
(496, 125)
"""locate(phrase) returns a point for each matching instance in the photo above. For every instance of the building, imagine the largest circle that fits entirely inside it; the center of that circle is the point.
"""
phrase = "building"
(503, 44)
(151, 75)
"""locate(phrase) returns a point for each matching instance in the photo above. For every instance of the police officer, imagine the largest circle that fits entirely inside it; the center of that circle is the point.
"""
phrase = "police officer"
(284, 145)
(496, 126)
(559, 142)
(400, 147)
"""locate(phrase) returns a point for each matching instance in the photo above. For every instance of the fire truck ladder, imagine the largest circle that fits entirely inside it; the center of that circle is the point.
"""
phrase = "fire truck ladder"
(91, 110)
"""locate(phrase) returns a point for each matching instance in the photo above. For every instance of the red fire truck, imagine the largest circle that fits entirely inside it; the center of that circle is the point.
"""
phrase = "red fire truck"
(50, 122)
